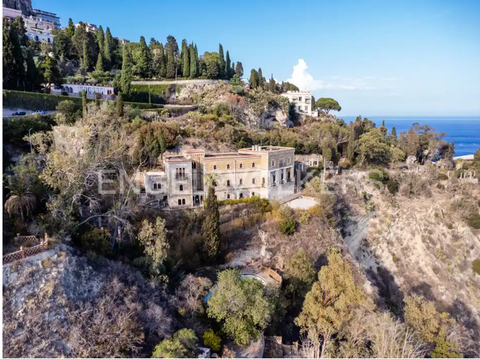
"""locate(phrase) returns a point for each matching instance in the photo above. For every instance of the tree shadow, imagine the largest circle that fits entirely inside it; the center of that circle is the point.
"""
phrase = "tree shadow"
(464, 315)
(425, 290)
(389, 294)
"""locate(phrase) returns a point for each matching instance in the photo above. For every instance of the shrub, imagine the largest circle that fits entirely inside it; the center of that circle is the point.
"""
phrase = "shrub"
(392, 186)
(15, 129)
(68, 112)
(442, 177)
(474, 221)
(211, 340)
(379, 174)
(182, 345)
(287, 226)
(304, 217)
(476, 266)
(96, 240)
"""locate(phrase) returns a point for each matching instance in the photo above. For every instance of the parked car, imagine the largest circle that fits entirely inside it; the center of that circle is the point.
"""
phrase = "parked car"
(19, 113)
(39, 112)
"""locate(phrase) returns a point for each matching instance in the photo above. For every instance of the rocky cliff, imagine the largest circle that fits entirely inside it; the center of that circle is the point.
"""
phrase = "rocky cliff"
(24, 5)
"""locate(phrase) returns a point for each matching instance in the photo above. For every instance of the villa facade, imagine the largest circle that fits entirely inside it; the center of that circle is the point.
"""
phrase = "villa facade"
(302, 101)
(263, 171)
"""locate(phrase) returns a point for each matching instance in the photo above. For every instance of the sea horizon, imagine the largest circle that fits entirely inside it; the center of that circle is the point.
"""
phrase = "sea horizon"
(463, 130)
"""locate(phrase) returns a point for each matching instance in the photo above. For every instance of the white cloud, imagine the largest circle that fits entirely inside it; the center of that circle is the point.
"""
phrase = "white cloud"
(305, 81)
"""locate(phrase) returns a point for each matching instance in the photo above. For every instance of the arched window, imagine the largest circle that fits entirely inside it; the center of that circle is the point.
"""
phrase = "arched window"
(179, 202)
(253, 194)
(241, 195)
(228, 196)
(183, 201)
(214, 167)
(241, 165)
(241, 181)
(181, 187)
(228, 166)
(253, 180)
(228, 183)
(253, 164)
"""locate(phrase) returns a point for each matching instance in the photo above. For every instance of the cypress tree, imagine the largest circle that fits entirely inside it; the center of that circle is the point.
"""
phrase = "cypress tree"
(211, 226)
(261, 79)
(254, 79)
(70, 28)
(227, 65)
(193, 61)
(239, 69)
(222, 60)
(186, 59)
(31, 71)
(86, 62)
(108, 48)
(197, 69)
(126, 77)
(84, 104)
(394, 135)
(119, 106)
(272, 84)
(162, 61)
(171, 51)
(100, 39)
(144, 64)
(99, 66)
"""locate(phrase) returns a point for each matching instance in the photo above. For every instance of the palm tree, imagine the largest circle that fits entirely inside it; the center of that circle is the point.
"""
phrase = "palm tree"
(211, 180)
(20, 202)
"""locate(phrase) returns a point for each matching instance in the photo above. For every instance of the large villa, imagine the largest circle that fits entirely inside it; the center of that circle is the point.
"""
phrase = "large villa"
(263, 171)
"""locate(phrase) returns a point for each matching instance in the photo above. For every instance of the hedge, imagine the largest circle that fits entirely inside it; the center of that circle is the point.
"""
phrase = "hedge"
(45, 102)
(35, 101)
(158, 93)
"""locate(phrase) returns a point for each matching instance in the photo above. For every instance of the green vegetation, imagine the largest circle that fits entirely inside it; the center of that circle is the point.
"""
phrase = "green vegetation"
(211, 340)
(299, 273)
(241, 305)
(211, 226)
(327, 104)
(331, 303)
(16, 128)
(182, 345)
(287, 226)
(474, 221)
(476, 266)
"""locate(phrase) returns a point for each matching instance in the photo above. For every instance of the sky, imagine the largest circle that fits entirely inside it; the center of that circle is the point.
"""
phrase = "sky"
(375, 57)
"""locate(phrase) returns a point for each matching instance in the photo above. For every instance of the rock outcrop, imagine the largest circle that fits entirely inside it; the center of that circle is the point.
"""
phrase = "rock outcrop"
(24, 5)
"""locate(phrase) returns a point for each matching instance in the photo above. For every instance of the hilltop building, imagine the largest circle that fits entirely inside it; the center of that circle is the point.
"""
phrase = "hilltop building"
(88, 27)
(302, 101)
(48, 17)
(263, 171)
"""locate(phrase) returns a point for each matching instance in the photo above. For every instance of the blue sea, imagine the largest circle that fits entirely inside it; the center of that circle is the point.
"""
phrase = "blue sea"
(464, 131)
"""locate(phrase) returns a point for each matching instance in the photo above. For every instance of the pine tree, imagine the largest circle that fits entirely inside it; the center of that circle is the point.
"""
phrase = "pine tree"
(351, 145)
(100, 40)
(108, 48)
(144, 64)
(70, 28)
(331, 303)
(211, 226)
(126, 77)
(193, 61)
(99, 66)
(239, 69)
(86, 62)
(394, 135)
(227, 65)
(186, 59)
(119, 105)
(222, 60)
(84, 104)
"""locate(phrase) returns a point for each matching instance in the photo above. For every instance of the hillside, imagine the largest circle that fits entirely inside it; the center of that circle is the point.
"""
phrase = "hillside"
(416, 242)
(58, 303)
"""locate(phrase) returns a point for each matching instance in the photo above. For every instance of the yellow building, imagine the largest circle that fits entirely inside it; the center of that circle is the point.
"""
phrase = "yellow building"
(263, 171)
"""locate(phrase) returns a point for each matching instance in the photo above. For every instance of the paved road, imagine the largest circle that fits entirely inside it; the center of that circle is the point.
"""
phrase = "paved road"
(179, 82)
(7, 112)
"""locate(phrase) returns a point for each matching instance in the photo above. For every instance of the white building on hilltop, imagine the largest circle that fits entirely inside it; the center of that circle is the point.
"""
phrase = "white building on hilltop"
(302, 101)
